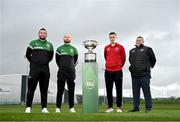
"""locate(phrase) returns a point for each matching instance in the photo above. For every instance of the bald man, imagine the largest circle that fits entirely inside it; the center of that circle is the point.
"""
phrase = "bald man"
(66, 60)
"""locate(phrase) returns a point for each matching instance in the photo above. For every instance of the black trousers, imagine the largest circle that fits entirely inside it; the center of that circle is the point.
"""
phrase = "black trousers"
(42, 75)
(137, 84)
(63, 77)
(110, 78)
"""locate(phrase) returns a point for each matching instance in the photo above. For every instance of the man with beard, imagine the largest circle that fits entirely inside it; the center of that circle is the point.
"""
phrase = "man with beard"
(66, 59)
(39, 53)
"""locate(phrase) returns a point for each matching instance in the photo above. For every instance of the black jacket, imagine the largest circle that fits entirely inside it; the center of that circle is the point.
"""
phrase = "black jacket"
(141, 59)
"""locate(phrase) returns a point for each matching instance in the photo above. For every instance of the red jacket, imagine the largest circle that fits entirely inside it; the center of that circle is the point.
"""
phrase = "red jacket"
(115, 57)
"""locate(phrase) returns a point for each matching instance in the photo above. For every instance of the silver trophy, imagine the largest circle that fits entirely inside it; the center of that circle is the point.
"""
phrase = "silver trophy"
(90, 45)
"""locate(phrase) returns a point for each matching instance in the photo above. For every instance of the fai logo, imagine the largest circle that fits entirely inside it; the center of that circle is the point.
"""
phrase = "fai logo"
(90, 84)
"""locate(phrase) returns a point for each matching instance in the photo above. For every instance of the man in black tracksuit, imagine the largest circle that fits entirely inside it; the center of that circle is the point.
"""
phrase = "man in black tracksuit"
(66, 59)
(142, 59)
(39, 53)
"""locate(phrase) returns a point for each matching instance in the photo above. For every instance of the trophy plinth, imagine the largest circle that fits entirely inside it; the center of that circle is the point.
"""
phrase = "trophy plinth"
(90, 45)
(90, 98)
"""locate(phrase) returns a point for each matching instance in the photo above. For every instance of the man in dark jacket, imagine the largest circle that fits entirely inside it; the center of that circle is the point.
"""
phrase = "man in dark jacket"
(141, 59)
(66, 60)
(39, 53)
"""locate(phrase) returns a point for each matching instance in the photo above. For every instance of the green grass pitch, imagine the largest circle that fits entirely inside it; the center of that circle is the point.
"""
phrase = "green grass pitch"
(161, 112)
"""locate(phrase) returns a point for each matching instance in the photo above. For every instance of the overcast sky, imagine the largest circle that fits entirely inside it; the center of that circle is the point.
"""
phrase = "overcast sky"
(157, 20)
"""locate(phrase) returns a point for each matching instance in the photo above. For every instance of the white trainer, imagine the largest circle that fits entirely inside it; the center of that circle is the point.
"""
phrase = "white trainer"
(44, 110)
(72, 110)
(119, 110)
(28, 110)
(109, 110)
(57, 110)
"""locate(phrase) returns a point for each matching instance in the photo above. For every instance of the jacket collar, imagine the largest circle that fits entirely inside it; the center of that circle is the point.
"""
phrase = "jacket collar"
(114, 45)
(42, 41)
(141, 45)
(67, 44)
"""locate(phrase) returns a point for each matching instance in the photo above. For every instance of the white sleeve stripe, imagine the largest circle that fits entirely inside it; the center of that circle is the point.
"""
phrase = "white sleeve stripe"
(30, 46)
(58, 53)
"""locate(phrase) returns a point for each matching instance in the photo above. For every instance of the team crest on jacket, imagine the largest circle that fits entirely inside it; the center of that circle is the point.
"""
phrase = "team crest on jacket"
(71, 50)
(142, 50)
(48, 45)
(117, 49)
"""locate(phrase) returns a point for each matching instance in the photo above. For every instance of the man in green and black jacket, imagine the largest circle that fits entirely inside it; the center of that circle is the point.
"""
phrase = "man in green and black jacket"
(39, 53)
(66, 59)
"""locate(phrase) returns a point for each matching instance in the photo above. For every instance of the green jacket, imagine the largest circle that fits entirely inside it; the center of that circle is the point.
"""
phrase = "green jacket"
(39, 52)
(66, 57)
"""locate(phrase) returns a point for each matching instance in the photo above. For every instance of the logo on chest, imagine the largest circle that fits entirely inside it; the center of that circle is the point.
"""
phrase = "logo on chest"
(133, 51)
(116, 49)
(48, 45)
(63, 52)
(108, 49)
(71, 50)
(36, 44)
(142, 50)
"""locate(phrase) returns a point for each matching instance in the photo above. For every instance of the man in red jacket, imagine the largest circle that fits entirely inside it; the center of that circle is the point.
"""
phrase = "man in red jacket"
(115, 57)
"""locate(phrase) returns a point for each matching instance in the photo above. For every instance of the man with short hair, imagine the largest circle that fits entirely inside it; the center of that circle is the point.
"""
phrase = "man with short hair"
(39, 53)
(115, 57)
(66, 60)
(142, 59)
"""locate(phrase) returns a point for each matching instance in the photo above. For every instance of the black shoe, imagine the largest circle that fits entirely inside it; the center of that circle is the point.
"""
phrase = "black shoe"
(134, 110)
